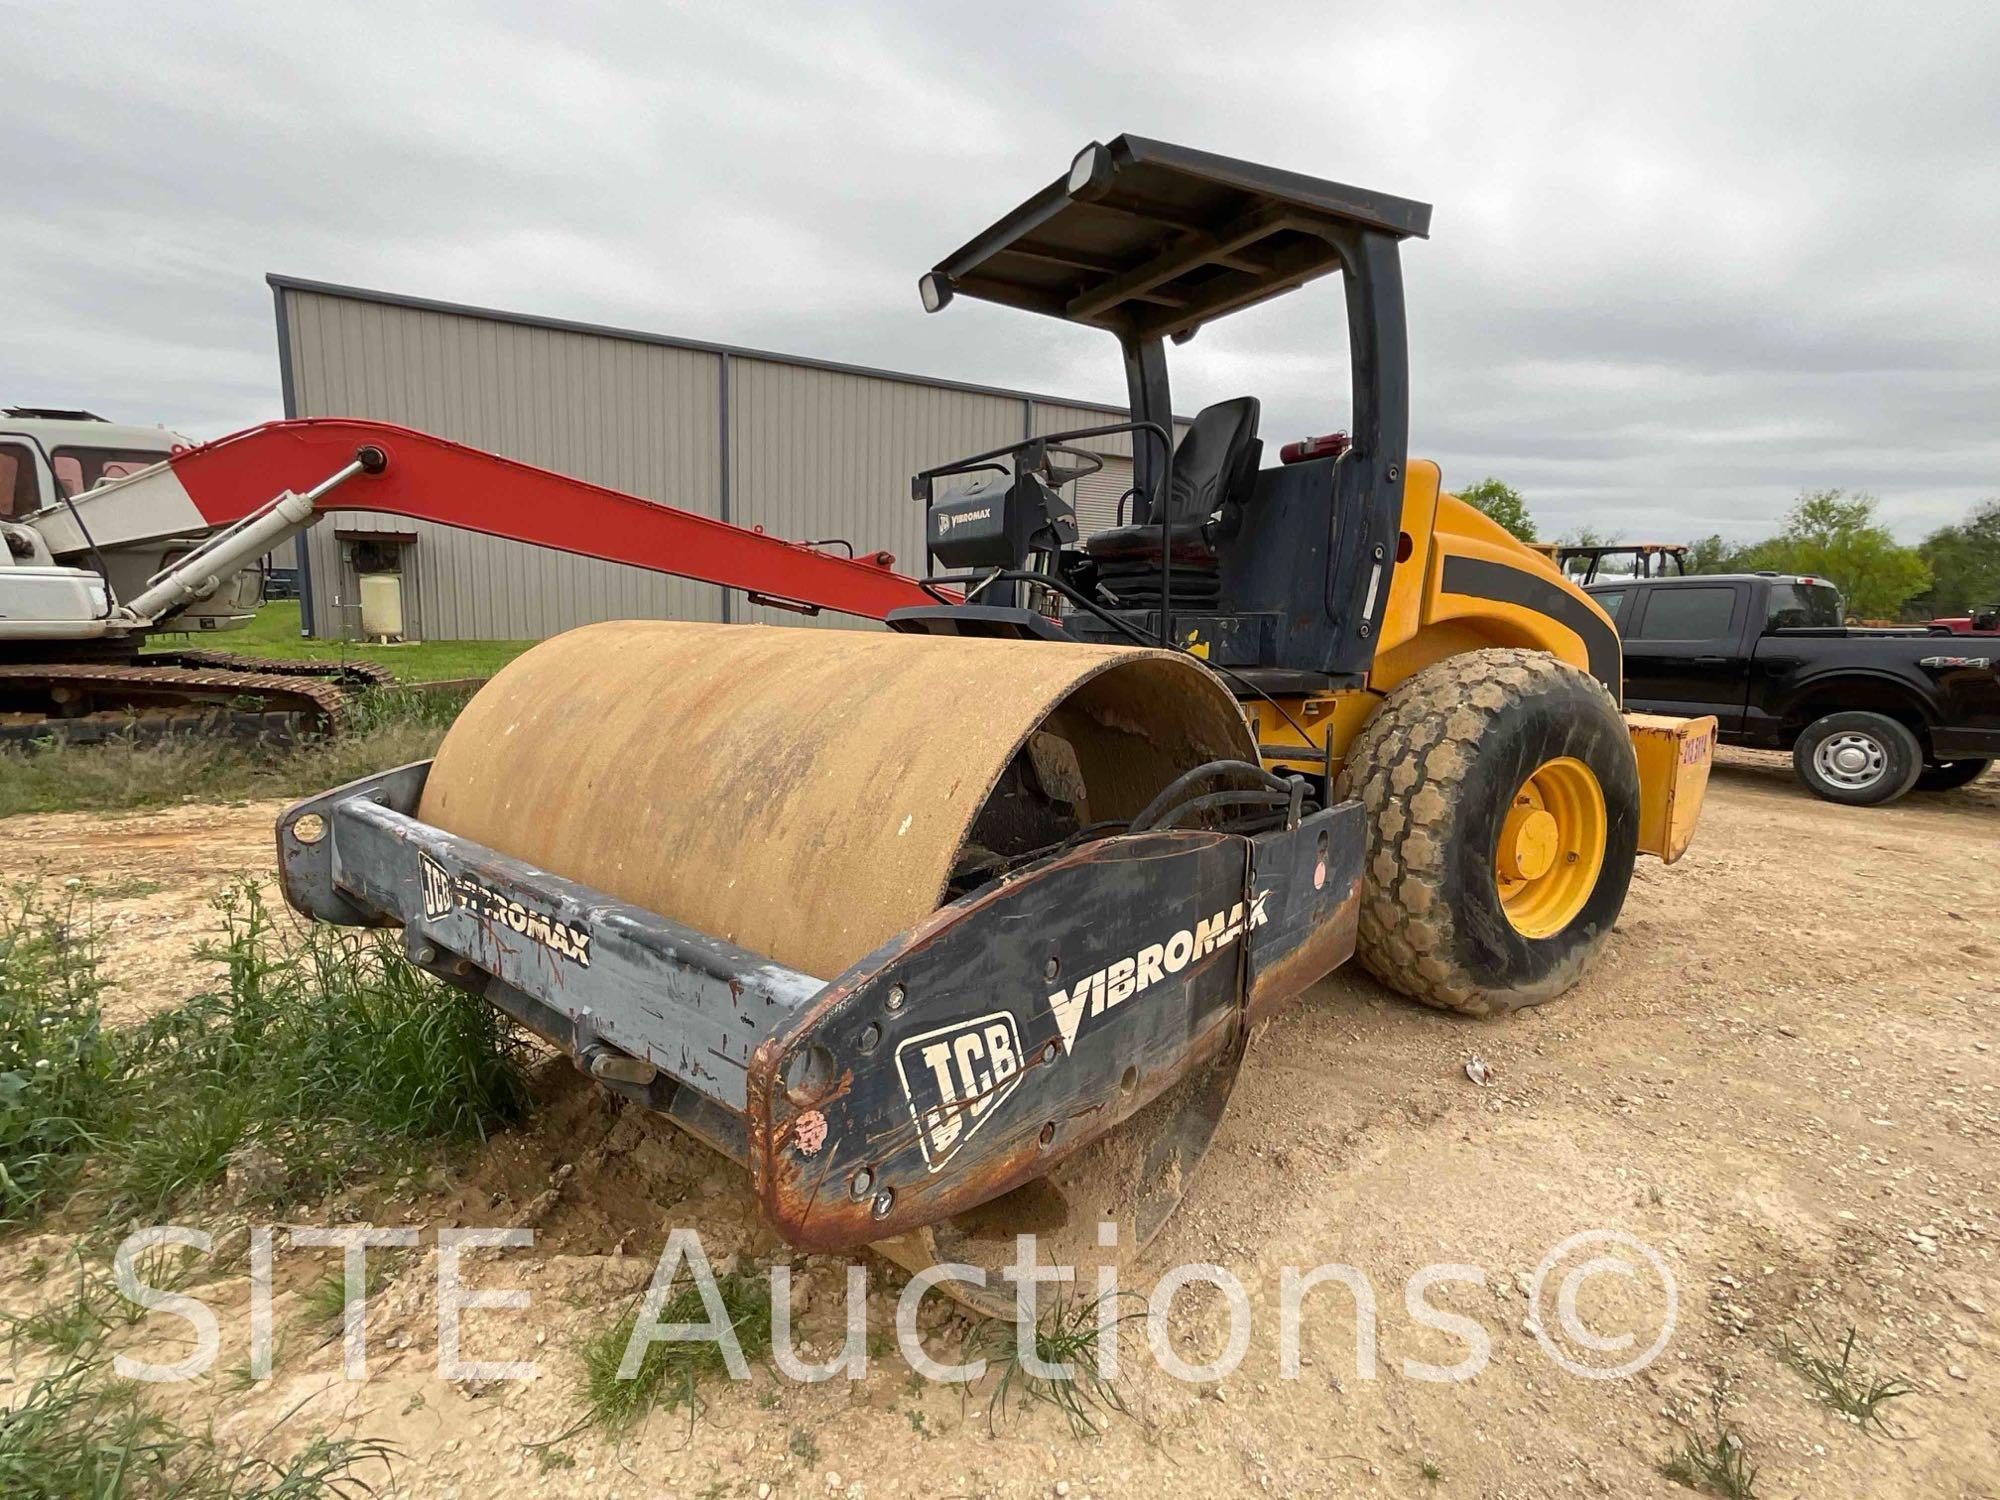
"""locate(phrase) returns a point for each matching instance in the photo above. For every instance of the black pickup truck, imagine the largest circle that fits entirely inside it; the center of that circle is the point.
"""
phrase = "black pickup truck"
(1867, 714)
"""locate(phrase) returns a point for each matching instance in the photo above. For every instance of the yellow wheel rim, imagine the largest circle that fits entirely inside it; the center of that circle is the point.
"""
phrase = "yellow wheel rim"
(1551, 847)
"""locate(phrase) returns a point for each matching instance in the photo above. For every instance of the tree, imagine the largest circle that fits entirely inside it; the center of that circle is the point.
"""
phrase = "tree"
(1502, 503)
(1588, 536)
(1834, 535)
(1584, 536)
(1965, 561)
(1710, 554)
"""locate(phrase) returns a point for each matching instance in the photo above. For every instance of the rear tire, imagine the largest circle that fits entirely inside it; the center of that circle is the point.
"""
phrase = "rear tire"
(1949, 775)
(1857, 759)
(1446, 767)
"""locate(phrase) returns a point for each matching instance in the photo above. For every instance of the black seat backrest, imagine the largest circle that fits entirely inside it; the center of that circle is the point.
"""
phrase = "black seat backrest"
(1215, 460)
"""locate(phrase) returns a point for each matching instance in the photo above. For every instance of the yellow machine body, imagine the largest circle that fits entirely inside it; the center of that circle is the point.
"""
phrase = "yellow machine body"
(1463, 583)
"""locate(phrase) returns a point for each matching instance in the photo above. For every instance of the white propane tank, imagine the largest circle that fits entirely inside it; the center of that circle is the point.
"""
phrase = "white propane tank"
(382, 606)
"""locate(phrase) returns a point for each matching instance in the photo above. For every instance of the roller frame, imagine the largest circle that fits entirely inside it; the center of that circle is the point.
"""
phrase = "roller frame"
(830, 1092)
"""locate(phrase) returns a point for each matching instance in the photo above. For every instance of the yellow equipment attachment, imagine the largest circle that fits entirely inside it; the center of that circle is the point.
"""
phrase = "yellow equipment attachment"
(1674, 758)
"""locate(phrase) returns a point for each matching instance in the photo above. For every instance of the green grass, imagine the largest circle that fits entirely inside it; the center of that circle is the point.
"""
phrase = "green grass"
(73, 1434)
(1856, 1392)
(322, 1055)
(324, 1303)
(1067, 1333)
(74, 1327)
(670, 1373)
(1713, 1463)
(275, 632)
(58, 1068)
(323, 1052)
(388, 727)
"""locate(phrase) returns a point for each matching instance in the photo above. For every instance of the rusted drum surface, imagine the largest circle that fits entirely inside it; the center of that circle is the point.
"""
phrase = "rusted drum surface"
(805, 794)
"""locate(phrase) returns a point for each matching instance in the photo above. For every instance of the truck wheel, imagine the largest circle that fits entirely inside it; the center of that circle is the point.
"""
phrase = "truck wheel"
(1502, 803)
(1861, 759)
(1948, 775)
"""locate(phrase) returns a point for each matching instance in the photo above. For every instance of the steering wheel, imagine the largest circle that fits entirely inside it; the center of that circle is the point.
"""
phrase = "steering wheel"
(1059, 475)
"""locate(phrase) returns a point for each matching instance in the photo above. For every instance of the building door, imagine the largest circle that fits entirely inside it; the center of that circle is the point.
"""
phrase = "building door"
(380, 586)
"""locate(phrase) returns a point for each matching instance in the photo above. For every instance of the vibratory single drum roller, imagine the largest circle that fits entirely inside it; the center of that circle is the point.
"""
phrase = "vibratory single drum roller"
(962, 929)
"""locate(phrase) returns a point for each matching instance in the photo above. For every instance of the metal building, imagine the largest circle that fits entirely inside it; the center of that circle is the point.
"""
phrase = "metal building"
(807, 449)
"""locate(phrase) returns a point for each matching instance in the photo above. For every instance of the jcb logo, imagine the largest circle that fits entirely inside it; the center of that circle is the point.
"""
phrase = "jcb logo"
(440, 894)
(956, 1077)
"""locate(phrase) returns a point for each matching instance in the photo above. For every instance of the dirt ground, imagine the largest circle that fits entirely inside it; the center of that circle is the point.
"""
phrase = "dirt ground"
(150, 878)
(1781, 1079)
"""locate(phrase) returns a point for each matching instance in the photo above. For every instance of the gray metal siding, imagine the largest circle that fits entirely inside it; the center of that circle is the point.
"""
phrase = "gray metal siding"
(817, 454)
(640, 418)
(1097, 496)
(815, 450)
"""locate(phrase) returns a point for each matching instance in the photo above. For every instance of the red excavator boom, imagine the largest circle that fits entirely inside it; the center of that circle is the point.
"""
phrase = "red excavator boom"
(407, 473)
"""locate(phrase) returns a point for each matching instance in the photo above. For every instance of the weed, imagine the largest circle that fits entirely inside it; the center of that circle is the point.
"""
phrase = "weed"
(670, 1371)
(1716, 1464)
(67, 1327)
(324, 1467)
(803, 1447)
(324, 1302)
(79, 1323)
(128, 890)
(58, 1067)
(75, 1436)
(1856, 1393)
(1066, 1335)
(71, 1435)
(239, 1377)
(1431, 1470)
(320, 1053)
(386, 727)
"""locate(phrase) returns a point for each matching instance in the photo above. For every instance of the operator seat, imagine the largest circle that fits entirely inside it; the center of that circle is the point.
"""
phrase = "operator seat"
(1214, 465)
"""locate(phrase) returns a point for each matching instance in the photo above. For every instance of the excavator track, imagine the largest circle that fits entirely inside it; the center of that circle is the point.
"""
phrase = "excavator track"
(83, 702)
(352, 674)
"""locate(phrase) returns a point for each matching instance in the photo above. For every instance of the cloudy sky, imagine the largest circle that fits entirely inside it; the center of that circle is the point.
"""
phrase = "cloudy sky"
(1685, 260)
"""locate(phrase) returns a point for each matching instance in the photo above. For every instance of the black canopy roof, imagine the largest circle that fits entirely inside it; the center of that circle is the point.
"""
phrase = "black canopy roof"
(1152, 240)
